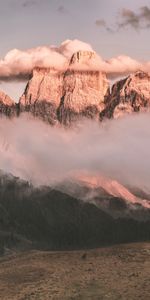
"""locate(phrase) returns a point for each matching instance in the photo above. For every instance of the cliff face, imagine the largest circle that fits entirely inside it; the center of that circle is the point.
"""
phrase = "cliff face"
(66, 96)
(82, 57)
(42, 94)
(129, 95)
(84, 89)
(83, 95)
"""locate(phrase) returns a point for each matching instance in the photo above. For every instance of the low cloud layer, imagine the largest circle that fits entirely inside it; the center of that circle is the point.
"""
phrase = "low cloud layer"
(18, 64)
(118, 149)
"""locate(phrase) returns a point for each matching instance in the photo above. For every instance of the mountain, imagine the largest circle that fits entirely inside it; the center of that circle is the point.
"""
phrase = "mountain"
(86, 212)
(65, 96)
(46, 218)
(80, 91)
(129, 95)
(83, 92)
(109, 195)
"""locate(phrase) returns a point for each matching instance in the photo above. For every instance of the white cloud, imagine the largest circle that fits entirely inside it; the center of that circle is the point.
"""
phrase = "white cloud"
(18, 64)
(118, 149)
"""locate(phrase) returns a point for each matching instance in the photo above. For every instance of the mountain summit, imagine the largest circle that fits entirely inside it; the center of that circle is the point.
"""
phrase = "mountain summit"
(82, 57)
(84, 89)
(66, 96)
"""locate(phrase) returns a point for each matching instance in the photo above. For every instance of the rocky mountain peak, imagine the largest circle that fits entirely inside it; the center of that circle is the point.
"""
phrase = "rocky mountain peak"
(82, 57)
(129, 95)
(65, 96)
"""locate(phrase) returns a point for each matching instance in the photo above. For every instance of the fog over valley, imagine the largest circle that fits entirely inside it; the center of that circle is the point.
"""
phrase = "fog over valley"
(43, 155)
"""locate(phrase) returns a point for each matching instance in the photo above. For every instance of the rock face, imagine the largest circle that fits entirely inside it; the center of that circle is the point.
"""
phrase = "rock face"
(129, 95)
(84, 90)
(66, 96)
(82, 57)
(7, 105)
(83, 95)
(43, 93)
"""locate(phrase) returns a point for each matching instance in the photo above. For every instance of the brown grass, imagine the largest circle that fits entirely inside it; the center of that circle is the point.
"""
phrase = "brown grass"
(115, 273)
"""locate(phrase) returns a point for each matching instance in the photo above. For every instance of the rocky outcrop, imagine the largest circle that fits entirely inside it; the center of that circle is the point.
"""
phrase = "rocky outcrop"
(7, 105)
(66, 96)
(129, 95)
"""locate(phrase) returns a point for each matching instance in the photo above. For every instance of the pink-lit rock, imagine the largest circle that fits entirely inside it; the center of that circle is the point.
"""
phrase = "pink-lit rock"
(129, 95)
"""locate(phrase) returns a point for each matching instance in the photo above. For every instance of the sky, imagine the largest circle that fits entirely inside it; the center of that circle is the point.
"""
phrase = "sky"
(112, 27)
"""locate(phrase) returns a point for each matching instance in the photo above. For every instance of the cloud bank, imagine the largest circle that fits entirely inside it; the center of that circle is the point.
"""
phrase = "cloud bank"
(117, 149)
(18, 64)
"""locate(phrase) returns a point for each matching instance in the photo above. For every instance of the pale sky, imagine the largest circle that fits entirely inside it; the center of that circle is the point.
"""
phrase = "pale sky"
(30, 23)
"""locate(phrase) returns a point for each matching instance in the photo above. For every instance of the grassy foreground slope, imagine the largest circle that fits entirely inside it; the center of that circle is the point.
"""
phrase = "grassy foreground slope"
(116, 272)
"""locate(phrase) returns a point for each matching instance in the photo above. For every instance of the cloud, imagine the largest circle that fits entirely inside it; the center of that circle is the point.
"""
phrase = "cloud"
(145, 13)
(37, 152)
(61, 9)
(100, 23)
(136, 20)
(32, 3)
(18, 64)
(29, 3)
(124, 65)
(128, 18)
(103, 24)
(69, 47)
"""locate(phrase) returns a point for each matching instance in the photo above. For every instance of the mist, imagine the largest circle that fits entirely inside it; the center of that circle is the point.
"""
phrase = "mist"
(45, 155)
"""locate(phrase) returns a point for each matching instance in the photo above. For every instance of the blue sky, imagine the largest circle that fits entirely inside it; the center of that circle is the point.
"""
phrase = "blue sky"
(30, 23)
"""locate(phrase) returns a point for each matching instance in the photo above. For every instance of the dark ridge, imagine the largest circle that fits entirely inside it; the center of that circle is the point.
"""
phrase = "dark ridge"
(44, 218)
